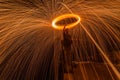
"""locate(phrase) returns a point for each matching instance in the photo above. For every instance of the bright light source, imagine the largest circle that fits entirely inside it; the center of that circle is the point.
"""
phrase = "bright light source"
(67, 25)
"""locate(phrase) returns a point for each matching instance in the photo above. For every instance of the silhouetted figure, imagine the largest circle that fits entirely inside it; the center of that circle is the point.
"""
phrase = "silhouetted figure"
(67, 41)
(66, 56)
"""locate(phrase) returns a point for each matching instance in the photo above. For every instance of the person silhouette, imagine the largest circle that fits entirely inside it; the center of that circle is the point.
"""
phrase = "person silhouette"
(67, 41)
(66, 56)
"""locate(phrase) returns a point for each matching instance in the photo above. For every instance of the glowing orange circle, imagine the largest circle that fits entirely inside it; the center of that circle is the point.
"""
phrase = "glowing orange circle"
(59, 18)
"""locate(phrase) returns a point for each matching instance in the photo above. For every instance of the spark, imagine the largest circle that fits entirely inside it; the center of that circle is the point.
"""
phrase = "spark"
(30, 47)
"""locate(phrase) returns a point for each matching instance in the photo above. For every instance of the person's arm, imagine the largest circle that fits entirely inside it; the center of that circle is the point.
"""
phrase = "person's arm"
(64, 28)
(63, 31)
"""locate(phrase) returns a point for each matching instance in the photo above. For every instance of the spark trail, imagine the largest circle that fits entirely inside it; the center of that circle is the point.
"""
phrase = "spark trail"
(29, 44)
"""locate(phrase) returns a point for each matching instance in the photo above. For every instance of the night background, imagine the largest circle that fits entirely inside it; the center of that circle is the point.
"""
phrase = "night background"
(32, 49)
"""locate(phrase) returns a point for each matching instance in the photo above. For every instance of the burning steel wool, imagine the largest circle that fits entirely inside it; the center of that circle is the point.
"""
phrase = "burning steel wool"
(59, 39)
(66, 20)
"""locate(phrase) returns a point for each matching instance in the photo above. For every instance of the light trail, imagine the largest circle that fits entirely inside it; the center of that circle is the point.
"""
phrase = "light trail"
(103, 54)
(30, 46)
(65, 16)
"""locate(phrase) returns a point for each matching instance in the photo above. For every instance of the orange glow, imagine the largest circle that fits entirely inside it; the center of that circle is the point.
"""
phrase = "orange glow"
(62, 17)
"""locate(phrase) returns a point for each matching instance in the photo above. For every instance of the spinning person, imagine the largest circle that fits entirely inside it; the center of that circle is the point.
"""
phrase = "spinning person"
(67, 54)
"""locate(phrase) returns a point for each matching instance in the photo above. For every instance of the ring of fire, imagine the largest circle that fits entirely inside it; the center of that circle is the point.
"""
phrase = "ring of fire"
(65, 16)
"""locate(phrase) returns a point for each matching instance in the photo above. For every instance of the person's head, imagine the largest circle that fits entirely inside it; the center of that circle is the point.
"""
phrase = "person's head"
(66, 30)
